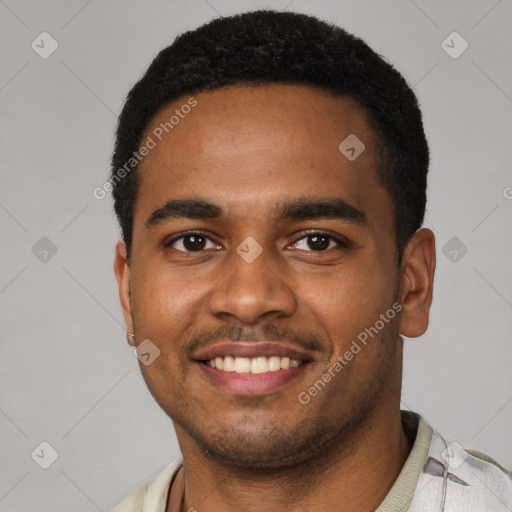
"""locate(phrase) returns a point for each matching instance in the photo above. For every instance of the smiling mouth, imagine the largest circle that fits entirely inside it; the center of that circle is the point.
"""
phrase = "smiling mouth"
(251, 376)
(254, 365)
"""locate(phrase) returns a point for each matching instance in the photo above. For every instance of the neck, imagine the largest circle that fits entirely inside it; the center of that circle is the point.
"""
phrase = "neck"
(355, 475)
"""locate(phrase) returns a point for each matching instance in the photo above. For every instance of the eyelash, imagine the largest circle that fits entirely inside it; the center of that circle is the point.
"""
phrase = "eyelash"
(341, 243)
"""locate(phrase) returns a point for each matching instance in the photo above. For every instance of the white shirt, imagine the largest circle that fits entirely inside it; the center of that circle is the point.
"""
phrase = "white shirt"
(436, 477)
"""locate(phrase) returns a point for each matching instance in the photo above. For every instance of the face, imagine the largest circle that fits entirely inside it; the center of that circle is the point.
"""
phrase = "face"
(259, 246)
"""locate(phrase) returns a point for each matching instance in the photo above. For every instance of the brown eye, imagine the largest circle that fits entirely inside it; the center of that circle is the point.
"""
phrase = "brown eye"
(318, 242)
(191, 242)
(194, 242)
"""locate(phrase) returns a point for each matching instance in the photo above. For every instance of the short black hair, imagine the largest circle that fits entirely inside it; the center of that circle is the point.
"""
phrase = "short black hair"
(265, 47)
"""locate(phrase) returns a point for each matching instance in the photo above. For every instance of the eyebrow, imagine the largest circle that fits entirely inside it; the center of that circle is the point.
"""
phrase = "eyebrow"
(296, 209)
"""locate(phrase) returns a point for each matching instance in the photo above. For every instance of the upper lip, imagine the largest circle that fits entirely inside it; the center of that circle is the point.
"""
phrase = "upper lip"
(251, 349)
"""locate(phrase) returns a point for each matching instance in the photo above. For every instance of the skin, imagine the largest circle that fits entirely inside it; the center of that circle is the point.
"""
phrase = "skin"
(247, 149)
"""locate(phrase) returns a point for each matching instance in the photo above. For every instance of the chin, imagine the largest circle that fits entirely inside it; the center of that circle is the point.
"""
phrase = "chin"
(267, 447)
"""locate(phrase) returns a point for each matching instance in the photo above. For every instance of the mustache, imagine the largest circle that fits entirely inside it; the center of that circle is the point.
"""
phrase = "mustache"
(262, 332)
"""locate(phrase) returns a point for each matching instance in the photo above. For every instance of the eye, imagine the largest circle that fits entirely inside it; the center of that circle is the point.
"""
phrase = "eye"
(196, 241)
(318, 242)
(192, 242)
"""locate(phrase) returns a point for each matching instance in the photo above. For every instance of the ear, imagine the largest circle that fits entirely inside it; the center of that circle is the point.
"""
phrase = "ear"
(416, 283)
(122, 272)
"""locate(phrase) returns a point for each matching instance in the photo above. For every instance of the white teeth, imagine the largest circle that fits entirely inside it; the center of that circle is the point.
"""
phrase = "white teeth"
(229, 364)
(253, 365)
(242, 365)
(259, 365)
(274, 363)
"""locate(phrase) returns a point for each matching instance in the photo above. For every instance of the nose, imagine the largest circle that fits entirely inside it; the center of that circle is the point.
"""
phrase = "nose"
(250, 291)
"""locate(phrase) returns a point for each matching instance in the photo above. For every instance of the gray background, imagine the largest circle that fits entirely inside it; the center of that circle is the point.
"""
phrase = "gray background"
(67, 376)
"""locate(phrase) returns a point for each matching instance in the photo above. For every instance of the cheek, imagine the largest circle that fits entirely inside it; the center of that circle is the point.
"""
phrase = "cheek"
(162, 297)
(349, 303)
(163, 311)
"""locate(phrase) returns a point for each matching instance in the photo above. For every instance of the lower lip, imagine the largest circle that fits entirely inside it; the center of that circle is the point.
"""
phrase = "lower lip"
(251, 383)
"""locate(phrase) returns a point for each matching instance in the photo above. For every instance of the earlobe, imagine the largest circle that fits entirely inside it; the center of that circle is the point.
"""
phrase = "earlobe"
(417, 280)
(122, 272)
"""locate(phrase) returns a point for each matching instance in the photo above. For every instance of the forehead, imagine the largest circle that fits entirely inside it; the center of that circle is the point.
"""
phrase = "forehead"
(248, 146)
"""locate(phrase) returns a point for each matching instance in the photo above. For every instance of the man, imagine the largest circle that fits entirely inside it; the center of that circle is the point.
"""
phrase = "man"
(269, 178)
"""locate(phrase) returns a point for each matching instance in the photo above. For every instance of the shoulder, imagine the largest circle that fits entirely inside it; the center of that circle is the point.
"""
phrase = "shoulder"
(488, 479)
(462, 480)
(152, 493)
